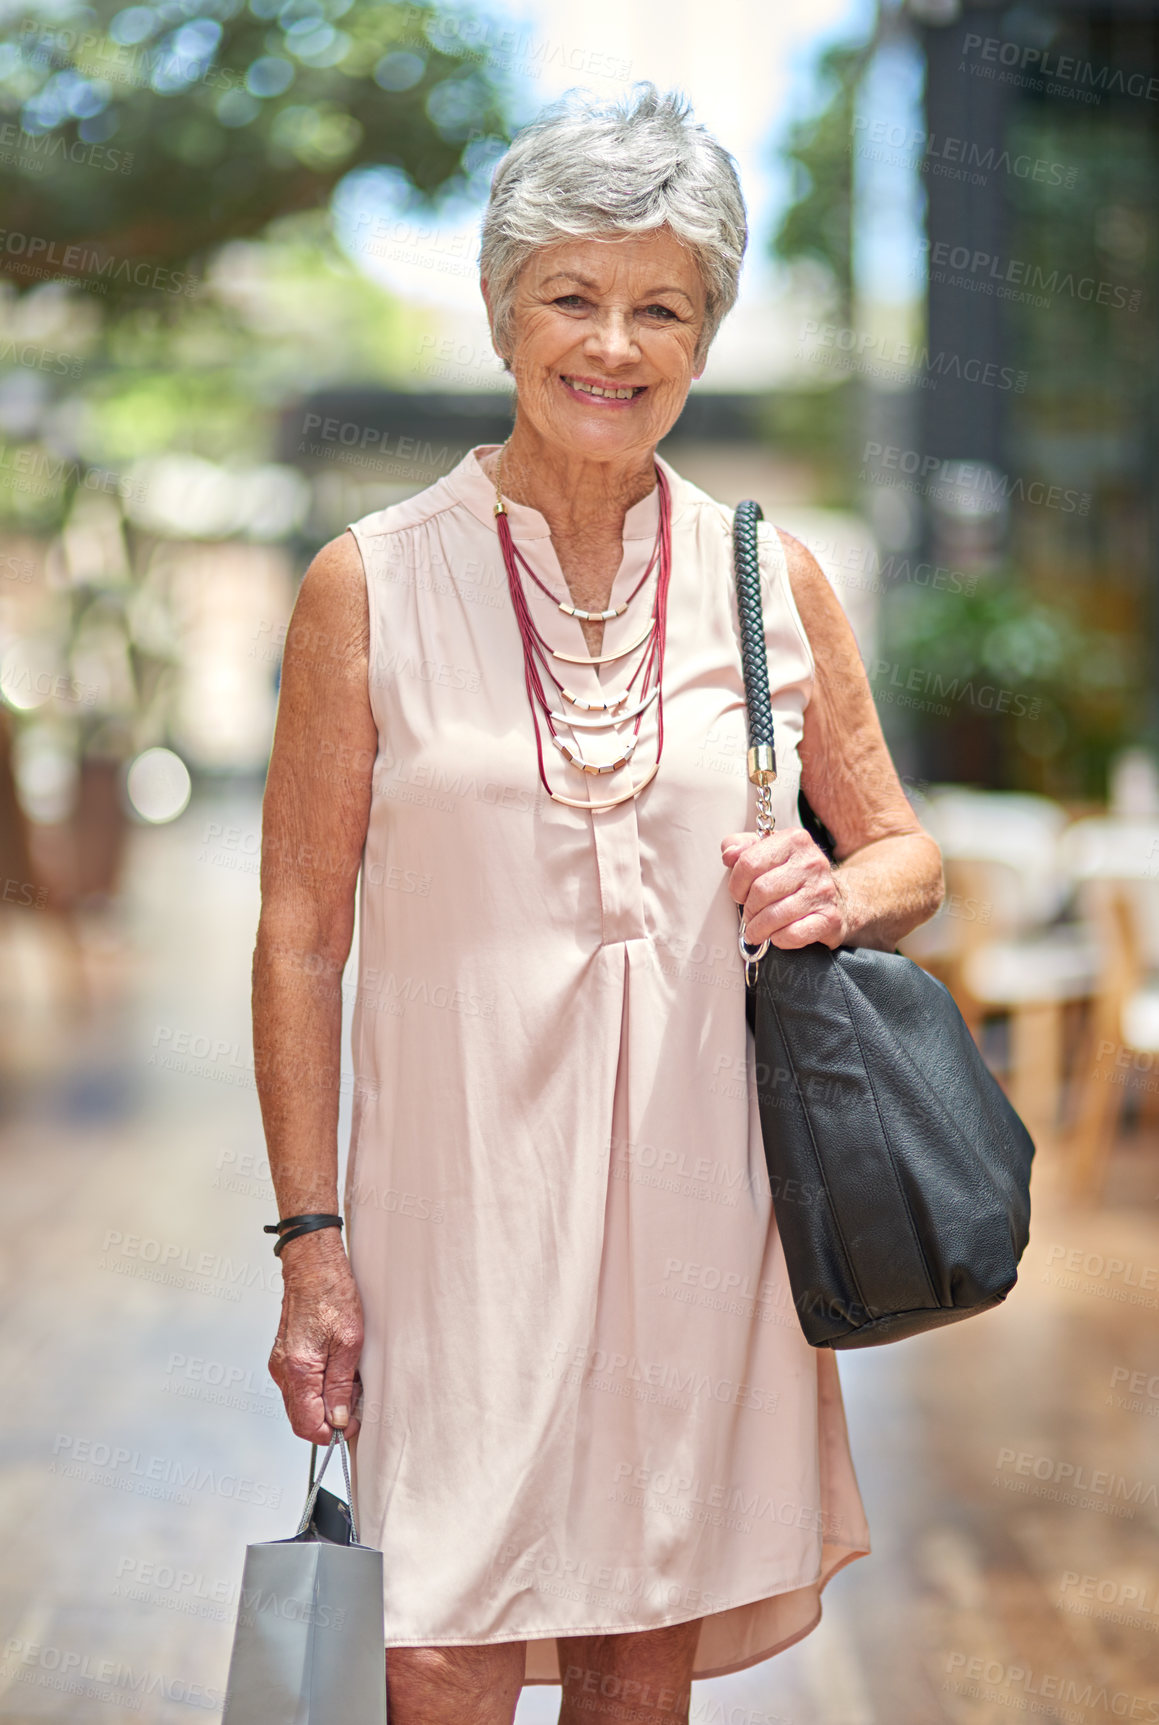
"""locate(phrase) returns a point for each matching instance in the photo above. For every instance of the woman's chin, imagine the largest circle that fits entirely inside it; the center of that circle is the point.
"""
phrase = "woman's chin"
(597, 435)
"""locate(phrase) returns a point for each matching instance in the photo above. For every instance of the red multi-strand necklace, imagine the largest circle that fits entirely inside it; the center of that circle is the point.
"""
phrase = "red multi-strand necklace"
(537, 652)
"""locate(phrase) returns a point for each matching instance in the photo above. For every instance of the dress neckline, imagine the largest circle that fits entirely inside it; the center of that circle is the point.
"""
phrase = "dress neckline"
(476, 492)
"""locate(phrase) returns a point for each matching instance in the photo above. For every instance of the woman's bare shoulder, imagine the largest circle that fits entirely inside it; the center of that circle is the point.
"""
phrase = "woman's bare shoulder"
(331, 612)
(818, 606)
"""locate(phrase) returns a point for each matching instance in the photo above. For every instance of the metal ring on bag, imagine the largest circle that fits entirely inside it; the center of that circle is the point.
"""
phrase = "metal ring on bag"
(752, 955)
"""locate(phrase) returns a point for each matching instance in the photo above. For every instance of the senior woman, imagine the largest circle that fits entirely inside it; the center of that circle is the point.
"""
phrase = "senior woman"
(594, 1446)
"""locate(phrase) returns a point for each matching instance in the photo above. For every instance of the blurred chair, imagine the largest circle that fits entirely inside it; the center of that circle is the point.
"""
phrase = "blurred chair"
(998, 943)
(1116, 864)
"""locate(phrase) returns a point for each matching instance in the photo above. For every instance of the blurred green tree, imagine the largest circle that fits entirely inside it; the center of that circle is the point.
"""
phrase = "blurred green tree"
(170, 275)
(139, 138)
(818, 224)
(1017, 684)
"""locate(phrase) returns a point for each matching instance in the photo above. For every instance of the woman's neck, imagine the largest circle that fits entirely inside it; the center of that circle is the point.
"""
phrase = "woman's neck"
(574, 496)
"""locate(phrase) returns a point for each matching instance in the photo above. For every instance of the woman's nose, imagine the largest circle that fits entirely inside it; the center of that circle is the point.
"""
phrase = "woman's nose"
(612, 339)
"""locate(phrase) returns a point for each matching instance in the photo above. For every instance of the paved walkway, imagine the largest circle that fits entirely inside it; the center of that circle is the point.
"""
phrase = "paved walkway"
(1010, 1465)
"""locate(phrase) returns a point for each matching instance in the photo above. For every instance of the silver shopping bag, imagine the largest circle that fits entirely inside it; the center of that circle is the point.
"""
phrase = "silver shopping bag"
(309, 1648)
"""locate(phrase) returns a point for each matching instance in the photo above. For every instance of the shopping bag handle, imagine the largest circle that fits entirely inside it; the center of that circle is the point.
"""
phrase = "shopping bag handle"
(315, 1481)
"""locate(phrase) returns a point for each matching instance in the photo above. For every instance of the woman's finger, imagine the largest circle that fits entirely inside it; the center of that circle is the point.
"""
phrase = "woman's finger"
(758, 858)
(338, 1381)
(300, 1377)
(797, 919)
(314, 1362)
(735, 843)
(807, 931)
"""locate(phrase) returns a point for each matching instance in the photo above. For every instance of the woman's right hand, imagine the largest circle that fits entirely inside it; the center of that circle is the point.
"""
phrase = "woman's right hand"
(314, 1361)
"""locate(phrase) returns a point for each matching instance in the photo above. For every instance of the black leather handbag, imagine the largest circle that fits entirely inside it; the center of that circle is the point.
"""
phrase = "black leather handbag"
(900, 1173)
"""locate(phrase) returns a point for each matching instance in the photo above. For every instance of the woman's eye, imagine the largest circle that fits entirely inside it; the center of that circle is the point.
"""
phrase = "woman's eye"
(569, 301)
(661, 310)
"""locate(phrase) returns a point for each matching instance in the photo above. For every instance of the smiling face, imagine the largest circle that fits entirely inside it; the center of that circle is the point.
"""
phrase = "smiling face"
(604, 343)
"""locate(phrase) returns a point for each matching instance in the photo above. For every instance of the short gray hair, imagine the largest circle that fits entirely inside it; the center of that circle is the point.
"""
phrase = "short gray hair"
(585, 168)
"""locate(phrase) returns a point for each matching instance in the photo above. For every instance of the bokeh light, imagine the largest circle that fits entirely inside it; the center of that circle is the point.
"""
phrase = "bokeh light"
(158, 786)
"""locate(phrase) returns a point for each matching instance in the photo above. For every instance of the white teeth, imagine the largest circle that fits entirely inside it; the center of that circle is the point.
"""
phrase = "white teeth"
(594, 389)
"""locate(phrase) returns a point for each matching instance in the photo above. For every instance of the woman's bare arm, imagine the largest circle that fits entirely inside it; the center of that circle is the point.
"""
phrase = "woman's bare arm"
(889, 873)
(314, 821)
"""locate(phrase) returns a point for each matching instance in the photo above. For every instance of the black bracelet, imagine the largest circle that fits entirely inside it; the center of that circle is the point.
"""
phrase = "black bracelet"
(293, 1227)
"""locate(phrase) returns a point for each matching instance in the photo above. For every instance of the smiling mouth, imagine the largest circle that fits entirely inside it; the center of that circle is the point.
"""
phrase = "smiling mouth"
(605, 392)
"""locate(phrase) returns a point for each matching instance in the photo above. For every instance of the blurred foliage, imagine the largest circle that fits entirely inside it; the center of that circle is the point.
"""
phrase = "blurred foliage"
(210, 381)
(818, 224)
(169, 279)
(822, 426)
(1053, 694)
(206, 377)
(1086, 417)
(137, 139)
(169, 275)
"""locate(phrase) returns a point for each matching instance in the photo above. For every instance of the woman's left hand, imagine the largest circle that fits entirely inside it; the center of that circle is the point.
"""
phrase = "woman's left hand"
(790, 893)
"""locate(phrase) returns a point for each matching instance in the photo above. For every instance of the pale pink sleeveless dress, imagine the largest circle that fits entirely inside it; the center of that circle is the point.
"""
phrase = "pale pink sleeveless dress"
(588, 1402)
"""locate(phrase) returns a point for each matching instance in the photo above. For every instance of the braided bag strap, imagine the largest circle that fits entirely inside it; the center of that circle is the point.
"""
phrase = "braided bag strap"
(762, 759)
(752, 623)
